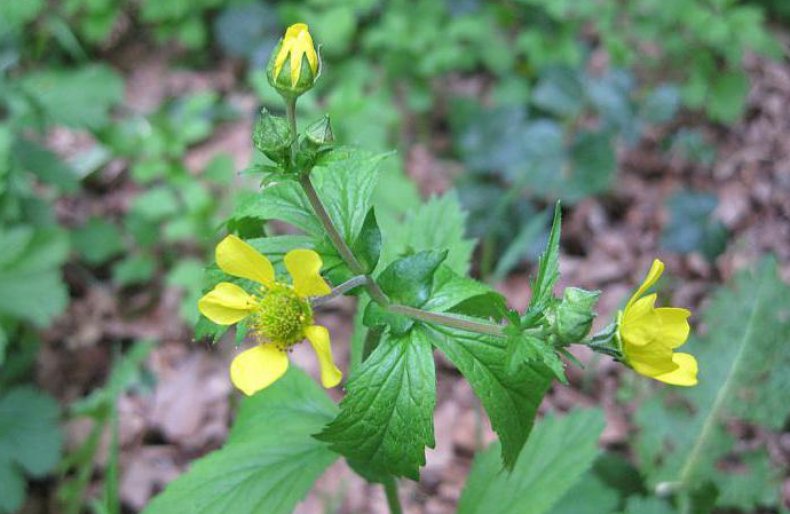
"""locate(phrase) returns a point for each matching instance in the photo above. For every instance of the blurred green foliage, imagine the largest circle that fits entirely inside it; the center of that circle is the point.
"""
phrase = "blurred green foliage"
(517, 86)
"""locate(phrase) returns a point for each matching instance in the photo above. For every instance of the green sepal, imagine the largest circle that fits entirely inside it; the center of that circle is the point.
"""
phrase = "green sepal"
(409, 280)
(574, 315)
(272, 136)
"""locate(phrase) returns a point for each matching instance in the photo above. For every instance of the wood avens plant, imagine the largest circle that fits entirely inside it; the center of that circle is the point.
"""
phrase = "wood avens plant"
(413, 299)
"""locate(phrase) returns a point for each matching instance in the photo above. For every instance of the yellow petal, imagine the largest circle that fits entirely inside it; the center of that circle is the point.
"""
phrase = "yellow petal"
(673, 326)
(319, 339)
(685, 375)
(304, 266)
(258, 368)
(652, 277)
(237, 258)
(643, 324)
(650, 360)
(226, 304)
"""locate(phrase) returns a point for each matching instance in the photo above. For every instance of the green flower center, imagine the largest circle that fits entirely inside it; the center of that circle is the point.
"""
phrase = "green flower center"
(281, 317)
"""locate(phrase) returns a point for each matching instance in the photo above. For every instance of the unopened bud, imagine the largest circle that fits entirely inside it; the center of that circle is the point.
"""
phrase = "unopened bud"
(294, 65)
(272, 136)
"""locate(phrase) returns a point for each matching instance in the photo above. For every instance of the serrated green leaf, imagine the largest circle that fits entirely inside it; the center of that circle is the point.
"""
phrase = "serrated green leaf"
(524, 350)
(409, 280)
(30, 441)
(510, 399)
(558, 453)
(270, 461)
(440, 223)
(548, 265)
(452, 292)
(386, 417)
(742, 361)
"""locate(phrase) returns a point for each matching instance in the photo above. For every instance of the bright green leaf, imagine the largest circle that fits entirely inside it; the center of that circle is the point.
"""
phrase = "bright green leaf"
(510, 399)
(386, 417)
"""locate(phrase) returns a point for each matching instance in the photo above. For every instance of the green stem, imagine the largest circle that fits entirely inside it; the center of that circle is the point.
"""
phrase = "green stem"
(342, 248)
(391, 490)
(348, 285)
(290, 113)
(468, 325)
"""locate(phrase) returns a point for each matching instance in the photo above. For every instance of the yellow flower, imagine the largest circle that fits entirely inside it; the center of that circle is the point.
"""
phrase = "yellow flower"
(296, 48)
(648, 336)
(279, 315)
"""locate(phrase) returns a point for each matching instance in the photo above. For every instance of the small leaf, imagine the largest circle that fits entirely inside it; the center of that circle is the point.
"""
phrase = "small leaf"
(548, 266)
(463, 295)
(386, 418)
(30, 441)
(367, 247)
(97, 241)
(409, 280)
(560, 91)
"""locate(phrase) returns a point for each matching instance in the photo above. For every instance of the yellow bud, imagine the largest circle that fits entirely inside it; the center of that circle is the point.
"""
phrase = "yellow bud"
(295, 64)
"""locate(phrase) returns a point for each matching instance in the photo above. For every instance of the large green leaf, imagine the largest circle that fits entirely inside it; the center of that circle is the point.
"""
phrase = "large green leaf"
(386, 418)
(29, 442)
(440, 223)
(743, 360)
(511, 399)
(559, 452)
(270, 460)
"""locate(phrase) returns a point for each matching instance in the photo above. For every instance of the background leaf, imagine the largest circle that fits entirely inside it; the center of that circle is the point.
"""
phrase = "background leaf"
(269, 462)
(558, 453)
(30, 442)
(742, 359)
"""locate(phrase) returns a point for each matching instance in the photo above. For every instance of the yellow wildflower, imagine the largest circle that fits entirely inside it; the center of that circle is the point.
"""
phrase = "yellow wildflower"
(648, 336)
(279, 315)
(296, 48)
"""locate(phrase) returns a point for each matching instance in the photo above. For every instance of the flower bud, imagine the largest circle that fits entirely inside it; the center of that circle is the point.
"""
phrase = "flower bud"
(319, 133)
(294, 65)
(574, 315)
(272, 136)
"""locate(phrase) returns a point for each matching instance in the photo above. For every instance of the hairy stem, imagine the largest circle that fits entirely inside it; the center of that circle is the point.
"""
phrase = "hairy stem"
(391, 490)
(348, 285)
(479, 327)
(339, 243)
